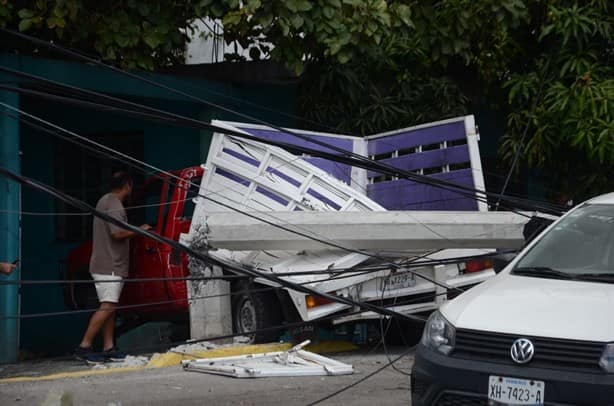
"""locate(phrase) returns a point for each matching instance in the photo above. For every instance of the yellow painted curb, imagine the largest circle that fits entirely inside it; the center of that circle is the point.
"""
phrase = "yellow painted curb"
(174, 358)
(74, 374)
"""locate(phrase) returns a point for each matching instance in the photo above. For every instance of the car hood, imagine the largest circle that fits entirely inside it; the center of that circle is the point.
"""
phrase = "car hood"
(539, 307)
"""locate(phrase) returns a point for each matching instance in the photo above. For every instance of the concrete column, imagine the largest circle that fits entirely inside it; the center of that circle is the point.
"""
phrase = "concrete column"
(9, 231)
(211, 317)
(210, 302)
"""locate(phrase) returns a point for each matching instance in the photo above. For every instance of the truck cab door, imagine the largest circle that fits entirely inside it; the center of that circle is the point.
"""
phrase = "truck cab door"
(145, 256)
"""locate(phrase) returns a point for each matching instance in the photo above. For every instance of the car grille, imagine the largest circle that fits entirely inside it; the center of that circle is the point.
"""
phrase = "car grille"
(549, 352)
(456, 399)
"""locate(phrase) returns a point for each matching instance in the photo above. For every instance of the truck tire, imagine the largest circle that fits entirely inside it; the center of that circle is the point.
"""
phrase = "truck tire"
(253, 309)
(81, 295)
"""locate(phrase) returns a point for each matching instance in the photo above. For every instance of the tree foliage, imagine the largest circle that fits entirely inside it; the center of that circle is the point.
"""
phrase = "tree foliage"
(568, 75)
(373, 65)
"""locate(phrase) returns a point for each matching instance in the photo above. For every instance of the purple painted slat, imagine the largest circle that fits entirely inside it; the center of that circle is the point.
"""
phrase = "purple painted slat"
(285, 177)
(339, 171)
(428, 159)
(424, 136)
(232, 176)
(323, 199)
(272, 196)
(242, 157)
(408, 195)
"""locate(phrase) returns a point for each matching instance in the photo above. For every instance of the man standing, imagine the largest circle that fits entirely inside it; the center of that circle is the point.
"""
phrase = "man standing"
(109, 265)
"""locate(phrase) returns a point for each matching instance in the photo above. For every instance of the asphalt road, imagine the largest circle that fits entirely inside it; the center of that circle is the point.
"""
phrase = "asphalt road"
(170, 386)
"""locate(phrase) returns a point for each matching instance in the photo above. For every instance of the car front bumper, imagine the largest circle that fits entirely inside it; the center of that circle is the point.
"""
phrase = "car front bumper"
(439, 380)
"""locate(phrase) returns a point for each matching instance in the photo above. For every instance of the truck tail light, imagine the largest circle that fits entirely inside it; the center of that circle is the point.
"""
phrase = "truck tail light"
(478, 265)
(315, 301)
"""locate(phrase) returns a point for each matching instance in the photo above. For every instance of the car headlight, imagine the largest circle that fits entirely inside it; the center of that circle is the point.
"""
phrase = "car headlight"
(607, 359)
(439, 334)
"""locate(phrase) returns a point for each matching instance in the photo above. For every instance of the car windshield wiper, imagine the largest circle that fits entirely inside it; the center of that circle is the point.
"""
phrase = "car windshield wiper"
(597, 277)
(542, 272)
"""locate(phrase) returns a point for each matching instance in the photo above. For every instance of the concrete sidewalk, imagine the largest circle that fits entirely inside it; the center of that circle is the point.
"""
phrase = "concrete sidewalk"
(172, 385)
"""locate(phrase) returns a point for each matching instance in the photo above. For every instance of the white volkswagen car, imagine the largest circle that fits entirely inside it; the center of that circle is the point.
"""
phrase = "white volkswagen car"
(539, 333)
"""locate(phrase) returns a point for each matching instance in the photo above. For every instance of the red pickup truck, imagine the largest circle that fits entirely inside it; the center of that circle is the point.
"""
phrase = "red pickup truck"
(169, 213)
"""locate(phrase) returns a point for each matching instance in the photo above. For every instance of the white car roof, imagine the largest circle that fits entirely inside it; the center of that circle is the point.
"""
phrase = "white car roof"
(603, 199)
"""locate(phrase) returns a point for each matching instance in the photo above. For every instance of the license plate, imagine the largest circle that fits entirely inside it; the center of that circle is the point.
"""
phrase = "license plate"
(514, 391)
(397, 281)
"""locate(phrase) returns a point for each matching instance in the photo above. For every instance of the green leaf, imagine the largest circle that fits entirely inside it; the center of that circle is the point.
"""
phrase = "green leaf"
(53, 22)
(231, 19)
(344, 56)
(25, 25)
(121, 40)
(405, 14)
(253, 5)
(292, 5)
(151, 40)
(25, 13)
(265, 19)
(297, 21)
(304, 5)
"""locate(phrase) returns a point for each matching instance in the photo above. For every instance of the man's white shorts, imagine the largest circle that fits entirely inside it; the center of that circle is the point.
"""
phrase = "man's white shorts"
(108, 291)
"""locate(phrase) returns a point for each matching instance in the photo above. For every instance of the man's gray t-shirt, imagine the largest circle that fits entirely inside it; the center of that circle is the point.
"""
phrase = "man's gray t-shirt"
(109, 256)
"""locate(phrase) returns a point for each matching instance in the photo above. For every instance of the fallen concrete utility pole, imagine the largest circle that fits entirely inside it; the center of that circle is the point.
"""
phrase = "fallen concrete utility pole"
(294, 362)
(398, 230)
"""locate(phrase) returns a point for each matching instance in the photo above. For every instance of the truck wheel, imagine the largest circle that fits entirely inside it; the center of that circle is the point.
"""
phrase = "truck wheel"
(81, 295)
(254, 310)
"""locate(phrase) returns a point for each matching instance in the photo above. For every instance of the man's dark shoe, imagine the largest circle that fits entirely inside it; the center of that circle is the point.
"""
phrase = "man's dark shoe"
(114, 354)
(81, 353)
(88, 355)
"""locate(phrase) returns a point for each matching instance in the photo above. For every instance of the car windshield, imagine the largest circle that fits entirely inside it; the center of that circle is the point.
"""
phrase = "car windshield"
(580, 245)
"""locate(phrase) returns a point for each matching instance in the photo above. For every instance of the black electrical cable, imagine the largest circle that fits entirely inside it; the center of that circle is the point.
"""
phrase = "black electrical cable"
(232, 208)
(196, 254)
(384, 333)
(373, 165)
(150, 304)
(361, 380)
(149, 113)
(354, 271)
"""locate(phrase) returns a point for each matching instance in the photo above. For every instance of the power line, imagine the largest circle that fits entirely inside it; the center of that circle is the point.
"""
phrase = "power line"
(66, 214)
(347, 157)
(150, 304)
(132, 161)
(353, 271)
(361, 380)
(216, 261)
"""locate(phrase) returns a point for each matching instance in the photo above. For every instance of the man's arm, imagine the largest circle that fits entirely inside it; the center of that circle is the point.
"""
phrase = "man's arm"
(125, 234)
(6, 268)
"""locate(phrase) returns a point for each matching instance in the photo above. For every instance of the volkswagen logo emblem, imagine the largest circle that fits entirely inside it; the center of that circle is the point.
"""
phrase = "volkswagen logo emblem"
(522, 351)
